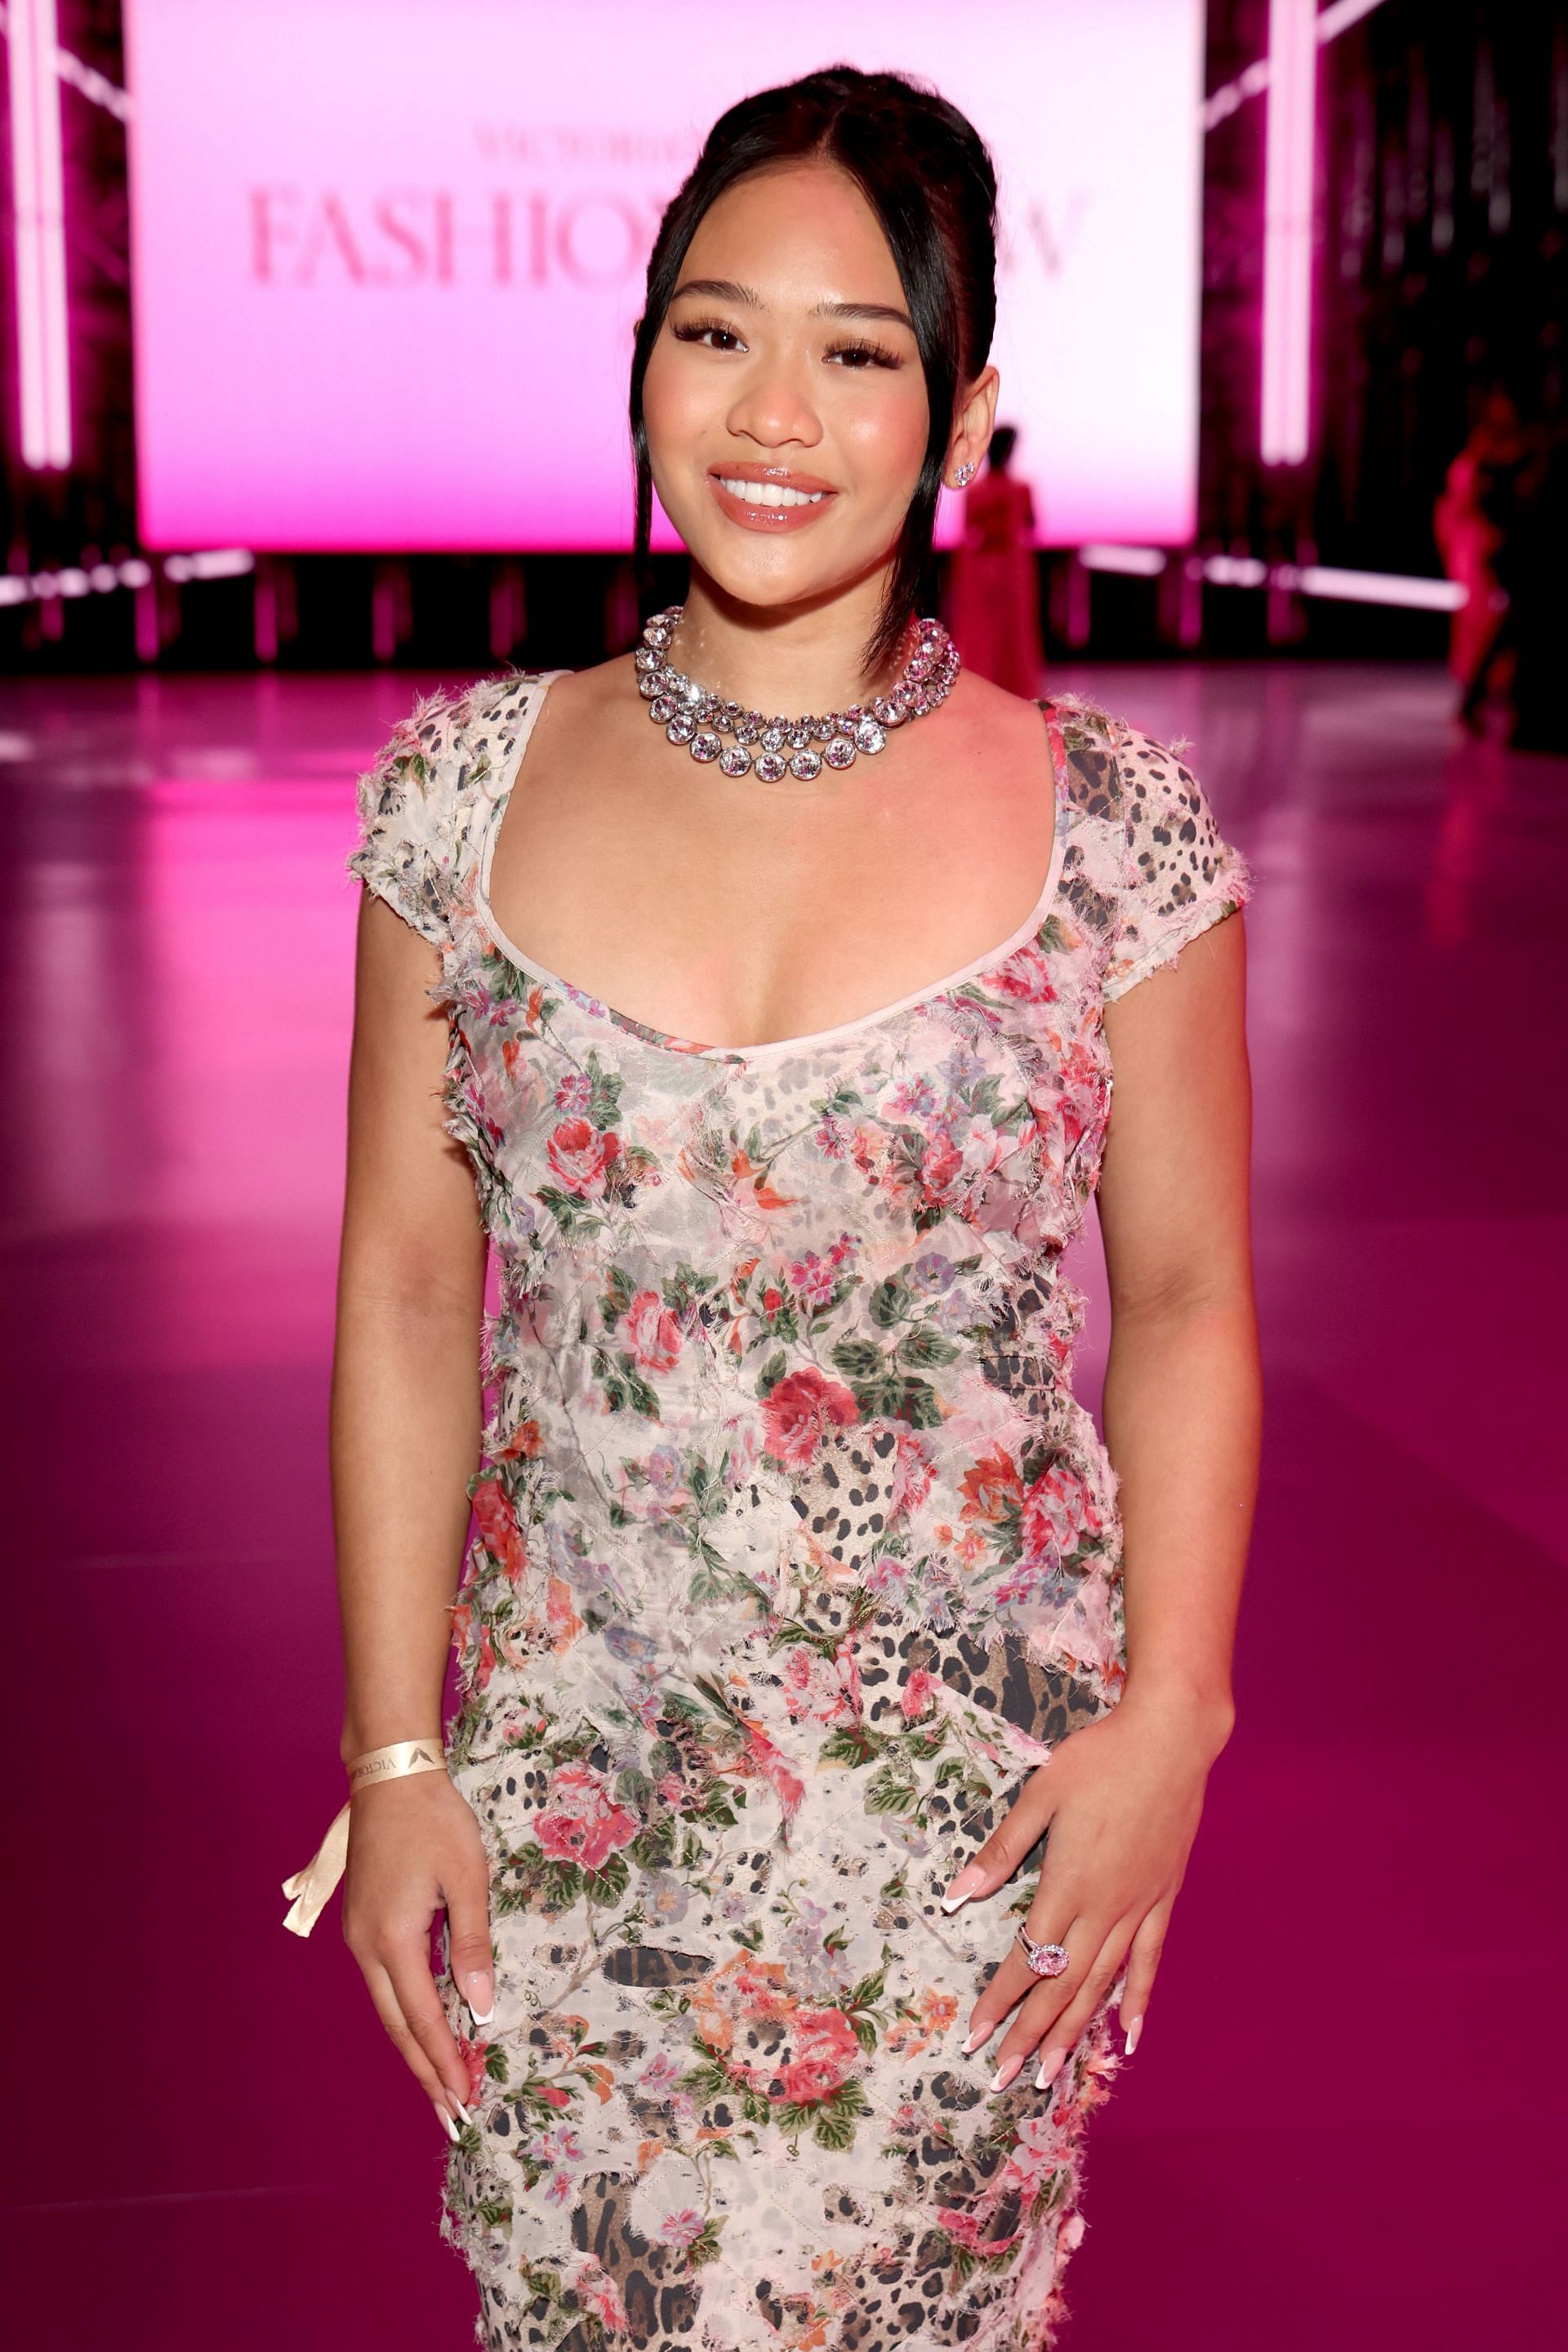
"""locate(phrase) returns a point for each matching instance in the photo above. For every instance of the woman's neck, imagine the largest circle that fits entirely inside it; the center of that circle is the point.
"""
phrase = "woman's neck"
(788, 660)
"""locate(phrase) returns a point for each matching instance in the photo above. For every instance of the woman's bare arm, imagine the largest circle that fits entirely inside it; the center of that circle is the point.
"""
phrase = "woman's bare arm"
(1182, 1390)
(405, 1417)
(1122, 1797)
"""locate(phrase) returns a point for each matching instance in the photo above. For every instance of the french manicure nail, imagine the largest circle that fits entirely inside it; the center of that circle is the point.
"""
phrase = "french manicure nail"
(482, 1998)
(1051, 2062)
(981, 2034)
(969, 1882)
(1135, 2028)
(1005, 2072)
(447, 2125)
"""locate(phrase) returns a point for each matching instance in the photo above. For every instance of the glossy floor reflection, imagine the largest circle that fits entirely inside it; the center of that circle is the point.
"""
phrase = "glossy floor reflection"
(1342, 2128)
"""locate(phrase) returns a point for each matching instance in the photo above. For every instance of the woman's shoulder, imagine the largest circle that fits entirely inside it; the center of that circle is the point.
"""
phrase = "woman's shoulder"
(419, 800)
(1149, 848)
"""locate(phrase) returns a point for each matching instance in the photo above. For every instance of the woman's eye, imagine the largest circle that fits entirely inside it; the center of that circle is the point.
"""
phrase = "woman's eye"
(864, 355)
(707, 330)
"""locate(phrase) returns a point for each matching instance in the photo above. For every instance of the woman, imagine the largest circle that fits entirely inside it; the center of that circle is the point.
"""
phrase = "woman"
(995, 589)
(796, 1559)
(1469, 536)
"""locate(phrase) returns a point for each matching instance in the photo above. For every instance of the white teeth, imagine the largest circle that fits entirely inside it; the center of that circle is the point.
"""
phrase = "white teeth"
(771, 494)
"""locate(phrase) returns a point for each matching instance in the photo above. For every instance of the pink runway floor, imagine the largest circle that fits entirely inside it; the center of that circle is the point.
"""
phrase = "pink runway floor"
(1345, 2126)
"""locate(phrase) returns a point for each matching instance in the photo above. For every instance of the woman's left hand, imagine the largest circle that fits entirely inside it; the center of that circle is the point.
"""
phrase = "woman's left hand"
(1122, 1799)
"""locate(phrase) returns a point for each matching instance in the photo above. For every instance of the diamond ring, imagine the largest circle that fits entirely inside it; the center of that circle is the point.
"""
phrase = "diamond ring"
(1044, 1960)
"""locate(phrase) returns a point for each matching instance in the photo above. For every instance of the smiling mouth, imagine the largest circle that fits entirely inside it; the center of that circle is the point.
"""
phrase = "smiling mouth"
(769, 498)
(768, 494)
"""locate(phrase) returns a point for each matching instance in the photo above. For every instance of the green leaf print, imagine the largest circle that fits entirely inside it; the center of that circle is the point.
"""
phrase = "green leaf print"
(704, 2247)
(887, 1793)
(617, 1297)
(626, 1390)
(573, 1216)
(890, 1302)
(706, 2080)
(685, 1285)
(609, 1882)
(859, 1359)
(922, 1346)
(897, 1398)
(771, 1373)
(853, 1743)
(604, 1109)
(836, 2117)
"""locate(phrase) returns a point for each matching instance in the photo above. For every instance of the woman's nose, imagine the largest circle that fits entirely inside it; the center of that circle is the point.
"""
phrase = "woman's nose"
(774, 408)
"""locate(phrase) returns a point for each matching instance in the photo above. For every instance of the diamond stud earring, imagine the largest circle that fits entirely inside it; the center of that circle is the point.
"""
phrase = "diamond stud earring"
(963, 476)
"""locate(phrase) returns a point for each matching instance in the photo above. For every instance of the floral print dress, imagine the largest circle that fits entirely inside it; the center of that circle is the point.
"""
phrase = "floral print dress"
(794, 1556)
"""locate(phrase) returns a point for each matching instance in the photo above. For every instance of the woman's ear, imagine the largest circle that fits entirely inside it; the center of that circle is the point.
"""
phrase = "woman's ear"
(972, 431)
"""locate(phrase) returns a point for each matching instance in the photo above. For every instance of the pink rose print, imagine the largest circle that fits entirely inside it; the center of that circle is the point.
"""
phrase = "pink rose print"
(581, 1156)
(581, 1823)
(966, 2229)
(473, 2055)
(654, 1332)
(826, 2049)
(826, 1690)
(682, 2229)
(941, 1167)
(1057, 1508)
(762, 1757)
(595, 2287)
(1025, 976)
(912, 1471)
(499, 1530)
(799, 1410)
(918, 1691)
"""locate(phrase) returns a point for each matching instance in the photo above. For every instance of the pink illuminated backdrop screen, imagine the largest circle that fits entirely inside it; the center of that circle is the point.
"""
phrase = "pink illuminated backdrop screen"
(388, 253)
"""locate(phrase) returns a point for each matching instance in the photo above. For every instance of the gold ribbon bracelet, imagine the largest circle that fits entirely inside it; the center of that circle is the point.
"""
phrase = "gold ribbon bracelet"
(310, 1887)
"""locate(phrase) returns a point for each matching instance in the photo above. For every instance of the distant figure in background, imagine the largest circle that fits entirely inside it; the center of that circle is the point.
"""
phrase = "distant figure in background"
(1532, 511)
(996, 590)
(1467, 534)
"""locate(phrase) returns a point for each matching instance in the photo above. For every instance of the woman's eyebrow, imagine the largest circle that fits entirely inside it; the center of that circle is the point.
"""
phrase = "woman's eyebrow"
(726, 290)
(720, 290)
(883, 310)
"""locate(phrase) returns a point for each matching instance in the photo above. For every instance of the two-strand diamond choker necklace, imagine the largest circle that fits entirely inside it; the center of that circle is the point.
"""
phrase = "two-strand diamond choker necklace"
(745, 742)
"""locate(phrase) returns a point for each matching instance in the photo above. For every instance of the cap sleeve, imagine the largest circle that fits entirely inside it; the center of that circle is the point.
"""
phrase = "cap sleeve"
(409, 809)
(1180, 875)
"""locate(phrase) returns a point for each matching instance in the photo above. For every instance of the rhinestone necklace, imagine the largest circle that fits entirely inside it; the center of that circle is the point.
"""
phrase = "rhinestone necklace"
(773, 748)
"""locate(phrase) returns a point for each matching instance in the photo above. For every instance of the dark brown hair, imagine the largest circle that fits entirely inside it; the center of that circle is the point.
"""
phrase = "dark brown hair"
(924, 169)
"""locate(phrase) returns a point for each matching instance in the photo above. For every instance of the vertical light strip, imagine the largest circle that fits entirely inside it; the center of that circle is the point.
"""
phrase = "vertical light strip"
(1287, 231)
(38, 206)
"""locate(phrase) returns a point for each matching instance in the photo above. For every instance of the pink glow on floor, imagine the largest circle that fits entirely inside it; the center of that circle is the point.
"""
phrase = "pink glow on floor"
(1342, 2128)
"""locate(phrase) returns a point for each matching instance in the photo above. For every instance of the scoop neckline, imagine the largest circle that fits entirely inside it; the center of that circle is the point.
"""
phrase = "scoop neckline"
(932, 992)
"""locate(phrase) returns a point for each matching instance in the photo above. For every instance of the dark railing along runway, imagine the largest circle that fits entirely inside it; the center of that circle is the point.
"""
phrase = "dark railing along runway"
(1342, 2128)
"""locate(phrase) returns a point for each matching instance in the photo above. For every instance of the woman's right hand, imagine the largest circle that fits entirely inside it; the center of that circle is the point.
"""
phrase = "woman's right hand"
(414, 1850)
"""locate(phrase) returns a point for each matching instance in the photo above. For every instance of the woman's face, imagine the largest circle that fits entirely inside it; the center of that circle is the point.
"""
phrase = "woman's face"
(785, 400)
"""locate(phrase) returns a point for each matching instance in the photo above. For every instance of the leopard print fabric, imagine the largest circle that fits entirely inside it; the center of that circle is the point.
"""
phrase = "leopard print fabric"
(794, 1556)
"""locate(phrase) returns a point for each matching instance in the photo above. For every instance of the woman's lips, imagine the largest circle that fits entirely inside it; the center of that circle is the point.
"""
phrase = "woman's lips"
(816, 500)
